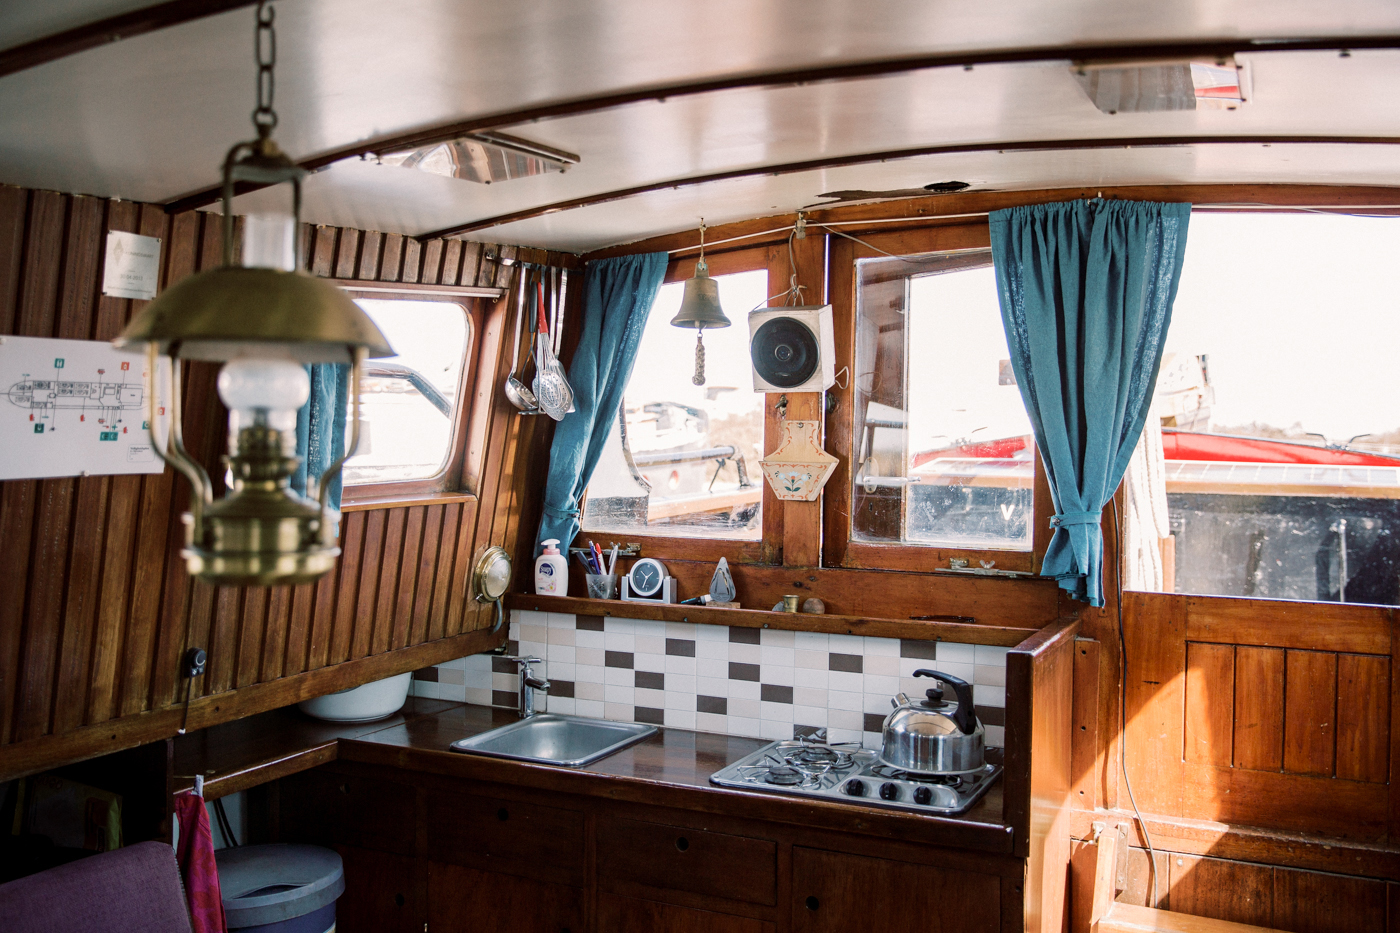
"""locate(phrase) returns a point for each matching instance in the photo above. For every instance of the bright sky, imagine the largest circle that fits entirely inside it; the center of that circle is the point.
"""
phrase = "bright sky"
(427, 335)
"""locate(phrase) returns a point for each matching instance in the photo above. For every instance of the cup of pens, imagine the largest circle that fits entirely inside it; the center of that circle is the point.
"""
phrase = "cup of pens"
(598, 571)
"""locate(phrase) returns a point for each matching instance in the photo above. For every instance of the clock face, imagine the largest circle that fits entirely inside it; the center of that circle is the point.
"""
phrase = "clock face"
(646, 576)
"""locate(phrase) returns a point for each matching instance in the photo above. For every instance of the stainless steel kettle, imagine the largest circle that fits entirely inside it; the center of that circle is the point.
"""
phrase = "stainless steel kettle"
(933, 737)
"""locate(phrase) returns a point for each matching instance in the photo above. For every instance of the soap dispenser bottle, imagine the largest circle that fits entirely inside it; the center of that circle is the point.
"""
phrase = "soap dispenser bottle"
(551, 571)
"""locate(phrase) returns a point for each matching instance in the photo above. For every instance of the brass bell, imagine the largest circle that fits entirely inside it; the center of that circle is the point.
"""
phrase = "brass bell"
(700, 306)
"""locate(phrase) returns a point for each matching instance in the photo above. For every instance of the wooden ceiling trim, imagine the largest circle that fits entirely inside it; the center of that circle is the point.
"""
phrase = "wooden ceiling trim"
(891, 155)
(113, 29)
(968, 59)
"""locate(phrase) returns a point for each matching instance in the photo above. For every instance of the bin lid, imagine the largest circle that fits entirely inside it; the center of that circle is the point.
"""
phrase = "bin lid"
(272, 883)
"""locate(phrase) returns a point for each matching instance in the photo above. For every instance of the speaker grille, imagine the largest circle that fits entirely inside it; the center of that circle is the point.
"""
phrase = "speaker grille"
(785, 352)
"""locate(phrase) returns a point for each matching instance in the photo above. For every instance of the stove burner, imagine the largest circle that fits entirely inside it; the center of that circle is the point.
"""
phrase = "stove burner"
(783, 775)
(885, 771)
(820, 755)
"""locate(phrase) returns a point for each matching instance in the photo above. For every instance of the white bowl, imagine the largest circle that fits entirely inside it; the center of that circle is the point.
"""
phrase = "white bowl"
(364, 703)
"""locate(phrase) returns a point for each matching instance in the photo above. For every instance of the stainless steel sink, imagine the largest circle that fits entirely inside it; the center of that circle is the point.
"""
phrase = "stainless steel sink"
(570, 741)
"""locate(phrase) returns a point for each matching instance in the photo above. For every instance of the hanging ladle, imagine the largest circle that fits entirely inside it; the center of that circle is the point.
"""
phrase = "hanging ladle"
(518, 392)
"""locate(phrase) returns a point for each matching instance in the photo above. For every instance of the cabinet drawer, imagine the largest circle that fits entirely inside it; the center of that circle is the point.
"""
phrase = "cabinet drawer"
(507, 836)
(329, 808)
(693, 860)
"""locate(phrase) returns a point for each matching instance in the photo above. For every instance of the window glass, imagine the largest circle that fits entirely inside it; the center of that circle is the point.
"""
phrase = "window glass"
(1270, 466)
(409, 401)
(684, 458)
(941, 440)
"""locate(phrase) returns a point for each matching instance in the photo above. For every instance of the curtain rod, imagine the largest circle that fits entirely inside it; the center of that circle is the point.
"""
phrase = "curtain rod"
(1319, 208)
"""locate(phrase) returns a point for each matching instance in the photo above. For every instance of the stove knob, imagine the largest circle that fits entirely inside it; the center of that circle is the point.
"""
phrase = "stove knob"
(922, 795)
(889, 790)
(855, 787)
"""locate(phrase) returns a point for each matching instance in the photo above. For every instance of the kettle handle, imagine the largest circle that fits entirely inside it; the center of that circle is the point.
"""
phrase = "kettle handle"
(966, 715)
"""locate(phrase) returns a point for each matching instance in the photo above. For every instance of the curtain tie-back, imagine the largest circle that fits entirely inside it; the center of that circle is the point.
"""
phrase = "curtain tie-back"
(560, 513)
(1075, 518)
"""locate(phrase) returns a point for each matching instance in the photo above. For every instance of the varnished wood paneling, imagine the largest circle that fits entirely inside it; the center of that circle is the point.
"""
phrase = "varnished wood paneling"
(1222, 890)
(1210, 706)
(1363, 718)
(1309, 902)
(1259, 708)
(1310, 712)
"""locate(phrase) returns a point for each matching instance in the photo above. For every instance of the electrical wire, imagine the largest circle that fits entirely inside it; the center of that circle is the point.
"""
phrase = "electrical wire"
(1123, 704)
(225, 827)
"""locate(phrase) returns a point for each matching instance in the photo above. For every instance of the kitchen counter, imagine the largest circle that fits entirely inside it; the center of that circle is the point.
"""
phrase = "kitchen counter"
(671, 768)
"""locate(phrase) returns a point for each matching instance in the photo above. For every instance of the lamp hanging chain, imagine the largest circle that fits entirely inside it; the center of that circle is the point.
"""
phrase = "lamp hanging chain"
(265, 53)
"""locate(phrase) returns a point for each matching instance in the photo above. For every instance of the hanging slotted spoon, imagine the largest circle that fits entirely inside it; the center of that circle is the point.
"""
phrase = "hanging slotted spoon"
(518, 392)
(552, 389)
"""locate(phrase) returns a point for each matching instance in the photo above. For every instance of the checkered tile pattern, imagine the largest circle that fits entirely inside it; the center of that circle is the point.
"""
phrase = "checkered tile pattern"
(762, 683)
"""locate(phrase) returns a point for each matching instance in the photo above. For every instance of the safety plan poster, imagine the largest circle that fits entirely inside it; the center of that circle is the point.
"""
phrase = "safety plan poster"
(76, 408)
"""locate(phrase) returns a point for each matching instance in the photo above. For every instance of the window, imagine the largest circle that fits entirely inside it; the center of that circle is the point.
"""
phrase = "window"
(1271, 465)
(683, 459)
(410, 402)
(942, 451)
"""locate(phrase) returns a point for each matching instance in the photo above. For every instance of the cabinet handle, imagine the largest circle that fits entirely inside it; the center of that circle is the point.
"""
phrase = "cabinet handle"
(813, 903)
(682, 843)
(503, 814)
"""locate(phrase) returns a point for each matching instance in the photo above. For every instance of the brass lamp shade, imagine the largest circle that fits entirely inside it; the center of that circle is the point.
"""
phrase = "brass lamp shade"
(222, 313)
(700, 305)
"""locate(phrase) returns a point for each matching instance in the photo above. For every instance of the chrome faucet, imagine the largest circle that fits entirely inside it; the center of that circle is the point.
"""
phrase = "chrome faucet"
(529, 683)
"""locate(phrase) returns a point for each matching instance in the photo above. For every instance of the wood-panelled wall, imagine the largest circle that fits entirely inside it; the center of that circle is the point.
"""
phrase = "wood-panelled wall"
(96, 609)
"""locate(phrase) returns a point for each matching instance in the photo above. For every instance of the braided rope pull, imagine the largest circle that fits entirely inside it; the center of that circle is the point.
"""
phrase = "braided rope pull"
(699, 377)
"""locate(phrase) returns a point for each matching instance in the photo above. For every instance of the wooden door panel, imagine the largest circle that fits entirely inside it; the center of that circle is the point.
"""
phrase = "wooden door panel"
(467, 900)
(1210, 703)
(1310, 713)
(617, 914)
(669, 857)
(506, 835)
(384, 893)
(837, 893)
(1258, 734)
(1363, 718)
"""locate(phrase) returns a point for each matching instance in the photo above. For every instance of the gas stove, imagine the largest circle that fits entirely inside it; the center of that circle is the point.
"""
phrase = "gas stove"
(849, 773)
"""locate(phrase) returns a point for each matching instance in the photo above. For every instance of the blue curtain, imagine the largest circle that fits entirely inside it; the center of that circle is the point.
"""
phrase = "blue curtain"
(321, 425)
(617, 298)
(1086, 291)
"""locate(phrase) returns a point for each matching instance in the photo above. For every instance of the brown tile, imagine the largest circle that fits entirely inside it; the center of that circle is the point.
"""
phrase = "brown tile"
(912, 648)
(874, 722)
(743, 636)
(849, 663)
(561, 688)
(506, 698)
(680, 647)
(646, 714)
(991, 715)
(773, 693)
(617, 659)
(717, 705)
(588, 623)
(429, 674)
(649, 680)
(738, 671)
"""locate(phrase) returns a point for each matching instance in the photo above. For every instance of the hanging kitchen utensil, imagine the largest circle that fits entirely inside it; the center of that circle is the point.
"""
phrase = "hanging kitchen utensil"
(518, 392)
(933, 737)
(552, 389)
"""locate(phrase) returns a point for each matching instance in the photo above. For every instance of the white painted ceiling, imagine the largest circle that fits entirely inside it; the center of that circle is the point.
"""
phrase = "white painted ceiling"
(149, 118)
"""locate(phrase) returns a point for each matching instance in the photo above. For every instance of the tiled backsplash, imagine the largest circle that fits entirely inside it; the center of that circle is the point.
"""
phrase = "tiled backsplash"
(763, 683)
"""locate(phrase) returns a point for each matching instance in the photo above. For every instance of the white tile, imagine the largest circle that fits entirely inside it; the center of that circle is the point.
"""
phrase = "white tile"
(538, 633)
(619, 625)
(425, 688)
(452, 676)
(989, 654)
(681, 630)
(619, 641)
(996, 736)
(619, 676)
(881, 684)
(679, 718)
(618, 712)
(774, 729)
(962, 654)
(841, 699)
(744, 725)
(778, 638)
(680, 700)
(747, 709)
(559, 637)
(456, 664)
(656, 663)
(561, 670)
(988, 696)
(479, 696)
(748, 654)
(650, 628)
(589, 672)
(532, 617)
(810, 641)
(802, 677)
(877, 703)
(809, 696)
(915, 686)
(649, 644)
(993, 675)
(594, 708)
(533, 649)
(809, 715)
(871, 740)
(846, 644)
(850, 720)
(843, 735)
(907, 666)
(513, 632)
(652, 699)
(480, 679)
(558, 653)
(811, 660)
(477, 662)
(590, 657)
(683, 683)
(744, 689)
(967, 672)
(711, 722)
(712, 686)
(711, 650)
(589, 690)
(718, 633)
(881, 647)
(564, 620)
(840, 680)
(781, 657)
(775, 712)
(774, 674)
(881, 664)
(679, 665)
(504, 681)
(564, 706)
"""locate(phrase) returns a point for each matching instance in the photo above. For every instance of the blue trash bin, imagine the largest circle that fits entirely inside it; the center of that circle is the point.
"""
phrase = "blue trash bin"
(280, 888)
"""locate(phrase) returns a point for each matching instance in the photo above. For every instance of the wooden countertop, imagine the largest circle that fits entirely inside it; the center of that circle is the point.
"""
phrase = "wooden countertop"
(671, 768)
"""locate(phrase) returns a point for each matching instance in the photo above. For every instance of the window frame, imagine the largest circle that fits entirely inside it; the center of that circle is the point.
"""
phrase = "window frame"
(449, 481)
(839, 548)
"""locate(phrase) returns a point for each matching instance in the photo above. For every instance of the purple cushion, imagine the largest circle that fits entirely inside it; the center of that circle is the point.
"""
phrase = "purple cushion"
(135, 888)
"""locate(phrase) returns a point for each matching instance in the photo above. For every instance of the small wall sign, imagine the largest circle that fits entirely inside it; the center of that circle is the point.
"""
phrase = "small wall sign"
(132, 269)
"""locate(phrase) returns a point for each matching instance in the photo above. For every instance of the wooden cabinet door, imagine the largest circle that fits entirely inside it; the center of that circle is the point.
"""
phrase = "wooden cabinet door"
(468, 900)
(618, 914)
(384, 893)
(837, 893)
